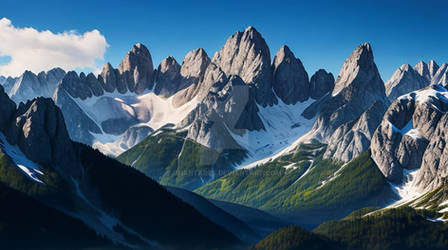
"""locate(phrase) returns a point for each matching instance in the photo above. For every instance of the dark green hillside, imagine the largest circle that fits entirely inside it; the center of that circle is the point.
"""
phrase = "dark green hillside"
(170, 159)
(26, 223)
(400, 228)
(389, 229)
(293, 237)
(147, 207)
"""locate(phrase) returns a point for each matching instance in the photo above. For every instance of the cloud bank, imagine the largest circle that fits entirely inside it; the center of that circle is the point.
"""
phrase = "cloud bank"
(30, 49)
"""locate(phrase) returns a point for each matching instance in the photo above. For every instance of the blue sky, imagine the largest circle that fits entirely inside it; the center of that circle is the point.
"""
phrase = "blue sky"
(321, 33)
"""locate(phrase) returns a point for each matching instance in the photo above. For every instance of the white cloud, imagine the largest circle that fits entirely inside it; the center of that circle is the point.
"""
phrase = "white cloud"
(30, 49)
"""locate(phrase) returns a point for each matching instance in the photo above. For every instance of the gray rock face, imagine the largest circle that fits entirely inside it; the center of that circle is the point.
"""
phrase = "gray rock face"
(405, 80)
(7, 108)
(168, 78)
(434, 166)
(353, 138)
(134, 135)
(39, 130)
(427, 71)
(29, 85)
(247, 55)
(408, 128)
(194, 65)
(321, 83)
(197, 76)
(76, 85)
(109, 78)
(410, 151)
(290, 78)
(213, 76)
(136, 70)
(358, 86)
(79, 124)
(134, 74)
(223, 112)
(8, 83)
(441, 76)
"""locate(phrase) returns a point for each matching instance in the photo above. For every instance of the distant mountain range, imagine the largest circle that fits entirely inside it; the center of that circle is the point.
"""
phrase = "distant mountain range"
(229, 136)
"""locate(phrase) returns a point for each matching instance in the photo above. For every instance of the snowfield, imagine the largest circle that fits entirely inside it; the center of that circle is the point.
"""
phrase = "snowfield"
(147, 109)
(284, 125)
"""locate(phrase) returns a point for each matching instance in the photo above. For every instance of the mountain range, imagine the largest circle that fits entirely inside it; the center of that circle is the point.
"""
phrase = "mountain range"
(134, 156)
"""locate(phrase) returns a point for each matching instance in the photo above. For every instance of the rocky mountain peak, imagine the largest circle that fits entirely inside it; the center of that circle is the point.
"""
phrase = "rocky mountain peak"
(39, 130)
(195, 63)
(168, 77)
(290, 82)
(247, 55)
(441, 76)
(359, 85)
(404, 80)
(359, 64)
(168, 64)
(426, 70)
(433, 67)
(136, 70)
(321, 83)
(409, 136)
(109, 78)
(284, 54)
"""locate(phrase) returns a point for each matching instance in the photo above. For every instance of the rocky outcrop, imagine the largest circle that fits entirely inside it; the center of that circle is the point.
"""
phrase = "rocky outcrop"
(172, 78)
(321, 83)
(79, 86)
(79, 124)
(136, 71)
(405, 134)
(290, 82)
(213, 76)
(404, 80)
(134, 135)
(109, 78)
(168, 78)
(247, 55)
(194, 66)
(353, 138)
(358, 86)
(7, 108)
(434, 164)
(427, 71)
(38, 129)
(231, 109)
(441, 76)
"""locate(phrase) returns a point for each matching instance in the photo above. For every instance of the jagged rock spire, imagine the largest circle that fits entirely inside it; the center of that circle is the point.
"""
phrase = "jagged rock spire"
(291, 82)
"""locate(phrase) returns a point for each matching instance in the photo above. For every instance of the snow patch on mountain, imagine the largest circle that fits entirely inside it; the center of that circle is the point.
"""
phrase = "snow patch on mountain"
(406, 190)
(283, 124)
(428, 95)
(146, 109)
(28, 167)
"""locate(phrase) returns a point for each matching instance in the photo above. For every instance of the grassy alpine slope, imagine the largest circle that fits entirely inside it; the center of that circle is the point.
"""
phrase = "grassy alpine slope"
(304, 187)
(171, 159)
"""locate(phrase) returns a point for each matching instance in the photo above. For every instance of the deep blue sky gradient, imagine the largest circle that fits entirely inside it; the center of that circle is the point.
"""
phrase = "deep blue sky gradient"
(321, 33)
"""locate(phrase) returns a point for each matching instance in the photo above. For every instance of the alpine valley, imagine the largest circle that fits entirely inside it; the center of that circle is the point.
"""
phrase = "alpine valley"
(242, 149)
